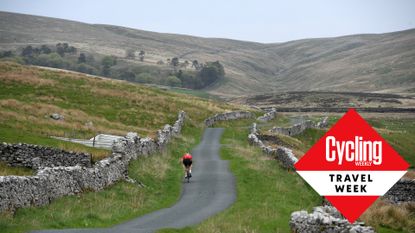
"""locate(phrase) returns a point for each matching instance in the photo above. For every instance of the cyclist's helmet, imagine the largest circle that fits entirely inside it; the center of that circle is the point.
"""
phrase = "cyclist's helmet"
(187, 156)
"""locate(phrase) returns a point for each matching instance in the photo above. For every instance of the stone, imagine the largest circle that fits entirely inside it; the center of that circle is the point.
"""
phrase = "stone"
(268, 116)
(228, 116)
(402, 191)
(89, 124)
(57, 116)
(324, 219)
(36, 157)
(282, 154)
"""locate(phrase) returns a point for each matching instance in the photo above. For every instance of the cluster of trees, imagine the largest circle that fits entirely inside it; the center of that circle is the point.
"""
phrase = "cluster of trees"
(65, 56)
(130, 54)
(175, 63)
(206, 75)
(62, 55)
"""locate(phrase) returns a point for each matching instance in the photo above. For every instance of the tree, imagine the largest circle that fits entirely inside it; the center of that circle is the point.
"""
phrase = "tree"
(141, 55)
(195, 64)
(127, 75)
(60, 48)
(211, 72)
(173, 81)
(107, 62)
(27, 51)
(175, 62)
(7, 53)
(45, 49)
(71, 49)
(144, 78)
(82, 58)
(130, 54)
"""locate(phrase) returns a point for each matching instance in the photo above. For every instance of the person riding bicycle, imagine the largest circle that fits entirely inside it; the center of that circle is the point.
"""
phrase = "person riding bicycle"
(187, 164)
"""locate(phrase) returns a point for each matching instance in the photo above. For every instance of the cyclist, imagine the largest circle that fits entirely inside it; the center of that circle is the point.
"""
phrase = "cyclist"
(186, 159)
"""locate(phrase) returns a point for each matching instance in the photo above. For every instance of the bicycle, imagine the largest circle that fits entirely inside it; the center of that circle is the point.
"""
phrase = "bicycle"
(188, 175)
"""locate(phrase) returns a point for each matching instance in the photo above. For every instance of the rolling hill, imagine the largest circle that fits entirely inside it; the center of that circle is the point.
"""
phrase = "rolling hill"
(358, 63)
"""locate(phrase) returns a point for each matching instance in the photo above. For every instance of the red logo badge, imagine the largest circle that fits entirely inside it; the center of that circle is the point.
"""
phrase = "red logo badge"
(351, 165)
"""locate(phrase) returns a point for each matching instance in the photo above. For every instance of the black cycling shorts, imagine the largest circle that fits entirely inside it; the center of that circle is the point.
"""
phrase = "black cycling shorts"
(187, 162)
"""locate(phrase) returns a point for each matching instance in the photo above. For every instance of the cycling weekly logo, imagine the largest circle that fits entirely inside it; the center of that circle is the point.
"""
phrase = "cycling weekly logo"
(351, 165)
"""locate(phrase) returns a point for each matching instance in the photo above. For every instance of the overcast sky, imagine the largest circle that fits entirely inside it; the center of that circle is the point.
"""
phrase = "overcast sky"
(256, 20)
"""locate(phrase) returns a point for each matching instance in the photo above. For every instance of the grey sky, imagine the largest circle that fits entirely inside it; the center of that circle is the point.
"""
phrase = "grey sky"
(259, 20)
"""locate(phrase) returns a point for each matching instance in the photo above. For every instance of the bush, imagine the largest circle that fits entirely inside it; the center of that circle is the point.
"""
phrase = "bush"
(174, 81)
(144, 78)
(127, 75)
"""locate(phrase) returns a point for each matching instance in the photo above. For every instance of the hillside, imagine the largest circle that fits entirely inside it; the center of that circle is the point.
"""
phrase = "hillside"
(370, 63)
(89, 105)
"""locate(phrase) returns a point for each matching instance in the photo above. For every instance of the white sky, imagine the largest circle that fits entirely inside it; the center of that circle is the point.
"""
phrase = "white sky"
(259, 20)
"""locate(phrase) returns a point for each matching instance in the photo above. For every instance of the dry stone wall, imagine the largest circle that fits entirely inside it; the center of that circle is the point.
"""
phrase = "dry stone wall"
(402, 191)
(299, 128)
(282, 154)
(36, 157)
(228, 116)
(268, 116)
(325, 219)
(54, 182)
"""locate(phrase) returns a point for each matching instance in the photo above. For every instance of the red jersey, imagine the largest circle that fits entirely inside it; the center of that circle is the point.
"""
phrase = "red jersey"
(187, 156)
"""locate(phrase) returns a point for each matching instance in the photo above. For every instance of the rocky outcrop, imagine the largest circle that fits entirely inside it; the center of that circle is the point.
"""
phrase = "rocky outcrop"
(53, 182)
(36, 157)
(228, 116)
(268, 116)
(282, 154)
(325, 219)
(299, 128)
(402, 191)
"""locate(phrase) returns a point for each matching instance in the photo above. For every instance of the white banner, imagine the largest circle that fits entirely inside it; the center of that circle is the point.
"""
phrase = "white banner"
(351, 183)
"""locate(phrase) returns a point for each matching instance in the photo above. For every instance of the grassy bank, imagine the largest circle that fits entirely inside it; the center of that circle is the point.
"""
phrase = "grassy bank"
(90, 106)
(160, 173)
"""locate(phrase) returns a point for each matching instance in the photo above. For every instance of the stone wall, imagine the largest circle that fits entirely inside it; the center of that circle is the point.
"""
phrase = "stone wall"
(299, 128)
(36, 157)
(282, 154)
(228, 116)
(325, 219)
(268, 116)
(54, 182)
(402, 191)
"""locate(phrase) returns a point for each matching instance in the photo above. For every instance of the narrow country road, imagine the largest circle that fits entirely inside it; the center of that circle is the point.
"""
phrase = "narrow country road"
(211, 190)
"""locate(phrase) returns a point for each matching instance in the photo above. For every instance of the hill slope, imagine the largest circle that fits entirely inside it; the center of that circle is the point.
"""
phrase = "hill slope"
(382, 62)
(89, 105)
